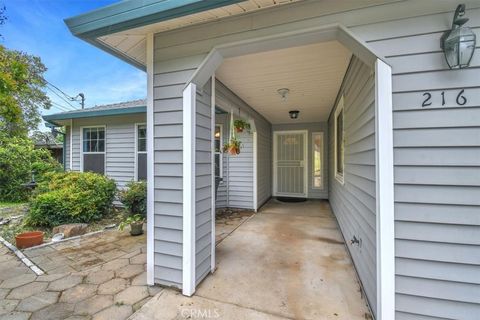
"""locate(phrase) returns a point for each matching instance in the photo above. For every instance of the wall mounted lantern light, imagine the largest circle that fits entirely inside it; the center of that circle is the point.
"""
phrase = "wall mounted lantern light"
(294, 114)
(458, 44)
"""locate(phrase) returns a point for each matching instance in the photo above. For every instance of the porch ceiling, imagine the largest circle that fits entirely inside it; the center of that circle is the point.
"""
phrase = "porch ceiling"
(312, 73)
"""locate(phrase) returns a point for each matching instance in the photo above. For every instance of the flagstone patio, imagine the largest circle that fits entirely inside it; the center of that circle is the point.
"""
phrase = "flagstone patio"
(101, 276)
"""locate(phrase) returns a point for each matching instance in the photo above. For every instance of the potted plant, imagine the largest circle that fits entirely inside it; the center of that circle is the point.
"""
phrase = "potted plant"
(136, 224)
(134, 198)
(232, 147)
(241, 125)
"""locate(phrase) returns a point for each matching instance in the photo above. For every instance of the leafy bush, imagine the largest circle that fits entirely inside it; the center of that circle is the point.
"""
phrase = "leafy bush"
(134, 197)
(71, 197)
(18, 158)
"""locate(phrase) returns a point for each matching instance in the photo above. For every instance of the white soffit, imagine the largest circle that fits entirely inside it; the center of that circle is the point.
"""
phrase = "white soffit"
(313, 73)
(132, 42)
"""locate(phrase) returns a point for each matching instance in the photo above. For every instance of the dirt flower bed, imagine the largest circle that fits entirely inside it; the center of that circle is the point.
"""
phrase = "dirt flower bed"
(13, 224)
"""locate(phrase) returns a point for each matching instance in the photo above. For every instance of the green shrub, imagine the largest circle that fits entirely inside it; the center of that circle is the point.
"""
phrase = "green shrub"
(18, 158)
(71, 197)
(134, 197)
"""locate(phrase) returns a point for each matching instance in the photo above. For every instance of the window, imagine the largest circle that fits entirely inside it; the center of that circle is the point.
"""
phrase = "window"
(93, 149)
(317, 163)
(339, 142)
(218, 151)
(141, 152)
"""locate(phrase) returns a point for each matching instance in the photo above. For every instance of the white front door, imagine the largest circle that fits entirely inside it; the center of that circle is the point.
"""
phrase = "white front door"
(290, 163)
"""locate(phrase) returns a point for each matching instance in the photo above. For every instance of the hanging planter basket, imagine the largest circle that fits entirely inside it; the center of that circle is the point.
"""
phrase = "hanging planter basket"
(241, 125)
(232, 147)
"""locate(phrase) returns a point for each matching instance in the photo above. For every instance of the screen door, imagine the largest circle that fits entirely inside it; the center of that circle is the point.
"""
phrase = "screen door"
(290, 155)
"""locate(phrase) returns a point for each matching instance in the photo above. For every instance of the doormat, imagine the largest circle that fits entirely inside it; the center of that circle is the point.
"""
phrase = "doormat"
(291, 199)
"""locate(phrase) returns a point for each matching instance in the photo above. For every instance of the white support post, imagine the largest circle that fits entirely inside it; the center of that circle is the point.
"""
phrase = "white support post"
(150, 166)
(212, 124)
(189, 112)
(384, 192)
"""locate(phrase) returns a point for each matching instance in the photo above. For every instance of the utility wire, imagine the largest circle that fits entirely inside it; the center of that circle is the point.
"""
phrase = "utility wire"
(66, 95)
(60, 107)
(58, 95)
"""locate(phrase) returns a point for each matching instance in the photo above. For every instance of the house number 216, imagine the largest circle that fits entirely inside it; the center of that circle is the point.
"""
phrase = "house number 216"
(460, 100)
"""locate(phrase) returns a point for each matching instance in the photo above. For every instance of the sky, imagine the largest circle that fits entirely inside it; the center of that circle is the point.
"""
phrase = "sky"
(74, 66)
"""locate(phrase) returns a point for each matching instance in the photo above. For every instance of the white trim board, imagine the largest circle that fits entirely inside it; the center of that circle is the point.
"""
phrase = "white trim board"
(384, 186)
(340, 107)
(322, 160)
(212, 159)
(150, 166)
(189, 126)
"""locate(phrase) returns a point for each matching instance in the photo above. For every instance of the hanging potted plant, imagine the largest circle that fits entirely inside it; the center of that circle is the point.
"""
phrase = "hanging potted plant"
(232, 147)
(241, 125)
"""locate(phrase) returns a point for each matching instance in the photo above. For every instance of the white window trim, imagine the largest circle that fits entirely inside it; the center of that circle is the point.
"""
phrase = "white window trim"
(219, 152)
(322, 185)
(339, 107)
(104, 152)
(136, 149)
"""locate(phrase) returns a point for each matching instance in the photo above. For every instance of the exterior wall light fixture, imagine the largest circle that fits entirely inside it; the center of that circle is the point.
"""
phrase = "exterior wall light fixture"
(458, 44)
(294, 114)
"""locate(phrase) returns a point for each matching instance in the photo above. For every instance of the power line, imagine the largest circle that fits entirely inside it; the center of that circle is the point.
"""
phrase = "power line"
(70, 98)
(59, 106)
(65, 100)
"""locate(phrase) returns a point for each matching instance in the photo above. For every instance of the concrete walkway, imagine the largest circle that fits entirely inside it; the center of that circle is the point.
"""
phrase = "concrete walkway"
(287, 262)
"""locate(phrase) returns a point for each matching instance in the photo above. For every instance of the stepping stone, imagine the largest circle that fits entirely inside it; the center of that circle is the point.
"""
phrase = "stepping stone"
(93, 305)
(113, 286)
(114, 313)
(7, 306)
(65, 283)
(27, 290)
(18, 281)
(140, 259)
(115, 264)
(51, 277)
(78, 293)
(15, 316)
(58, 311)
(131, 295)
(140, 280)
(100, 276)
(130, 271)
(38, 301)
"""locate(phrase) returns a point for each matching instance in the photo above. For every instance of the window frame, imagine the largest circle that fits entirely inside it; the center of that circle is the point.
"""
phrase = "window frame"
(137, 125)
(340, 177)
(219, 152)
(322, 184)
(82, 128)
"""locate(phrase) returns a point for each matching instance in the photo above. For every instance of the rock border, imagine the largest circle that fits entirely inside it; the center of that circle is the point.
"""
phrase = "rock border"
(22, 257)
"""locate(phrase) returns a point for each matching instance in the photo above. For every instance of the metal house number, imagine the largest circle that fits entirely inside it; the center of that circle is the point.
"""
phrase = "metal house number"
(460, 99)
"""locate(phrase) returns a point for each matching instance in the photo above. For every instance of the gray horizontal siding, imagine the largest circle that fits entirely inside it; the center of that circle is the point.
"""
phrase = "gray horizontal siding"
(437, 170)
(353, 202)
(168, 173)
(203, 187)
(120, 145)
(314, 193)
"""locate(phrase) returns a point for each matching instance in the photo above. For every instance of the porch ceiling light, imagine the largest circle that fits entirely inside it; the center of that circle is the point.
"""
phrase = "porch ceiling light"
(458, 44)
(294, 114)
(283, 92)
